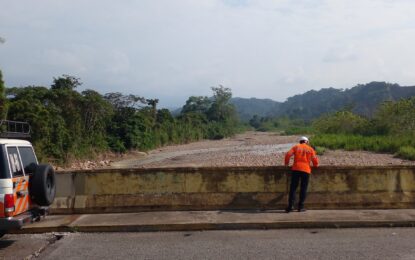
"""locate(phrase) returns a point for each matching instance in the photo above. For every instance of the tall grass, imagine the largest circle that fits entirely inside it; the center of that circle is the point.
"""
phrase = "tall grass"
(407, 152)
(402, 146)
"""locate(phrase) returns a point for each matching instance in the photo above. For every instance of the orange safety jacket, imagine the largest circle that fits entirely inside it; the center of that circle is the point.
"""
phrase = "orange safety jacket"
(303, 155)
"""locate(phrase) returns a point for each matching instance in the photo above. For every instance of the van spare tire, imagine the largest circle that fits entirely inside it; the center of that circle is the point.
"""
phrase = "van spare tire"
(42, 185)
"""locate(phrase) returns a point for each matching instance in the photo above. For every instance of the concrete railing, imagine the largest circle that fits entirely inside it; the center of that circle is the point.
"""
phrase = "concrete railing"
(128, 190)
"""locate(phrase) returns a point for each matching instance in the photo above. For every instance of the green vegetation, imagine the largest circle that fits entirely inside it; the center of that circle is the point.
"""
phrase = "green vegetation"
(3, 107)
(68, 124)
(391, 130)
(249, 107)
(383, 144)
(283, 125)
(377, 116)
(407, 152)
(342, 122)
(320, 150)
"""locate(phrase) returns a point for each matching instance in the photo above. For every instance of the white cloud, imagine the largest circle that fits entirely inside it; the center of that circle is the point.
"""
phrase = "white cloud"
(341, 54)
(263, 48)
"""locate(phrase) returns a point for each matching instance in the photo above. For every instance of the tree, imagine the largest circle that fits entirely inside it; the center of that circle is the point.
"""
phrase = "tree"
(397, 117)
(197, 104)
(255, 121)
(164, 116)
(341, 122)
(95, 110)
(34, 105)
(68, 103)
(153, 104)
(66, 82)
(221, 109)
(68, 124)
(120, 101)
(3, 104)
(96, 114)
(125, 128)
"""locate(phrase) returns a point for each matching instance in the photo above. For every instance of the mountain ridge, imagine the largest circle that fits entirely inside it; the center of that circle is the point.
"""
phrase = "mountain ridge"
(362, 99)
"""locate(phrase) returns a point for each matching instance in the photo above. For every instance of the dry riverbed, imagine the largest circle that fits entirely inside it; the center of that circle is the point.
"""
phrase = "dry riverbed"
(248, 149)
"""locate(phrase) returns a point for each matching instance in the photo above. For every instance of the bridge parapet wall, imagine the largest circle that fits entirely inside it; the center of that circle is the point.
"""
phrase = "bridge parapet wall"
(129, 190)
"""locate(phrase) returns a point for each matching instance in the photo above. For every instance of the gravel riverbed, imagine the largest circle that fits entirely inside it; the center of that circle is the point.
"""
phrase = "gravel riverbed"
(248, 149)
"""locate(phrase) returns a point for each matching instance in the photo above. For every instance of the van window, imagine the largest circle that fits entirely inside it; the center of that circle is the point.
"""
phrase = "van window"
(14, 161)
(4, 169)
(28, 159)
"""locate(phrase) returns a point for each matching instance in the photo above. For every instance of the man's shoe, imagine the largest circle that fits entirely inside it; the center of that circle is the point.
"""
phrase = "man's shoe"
(289, 209)
(302, 210)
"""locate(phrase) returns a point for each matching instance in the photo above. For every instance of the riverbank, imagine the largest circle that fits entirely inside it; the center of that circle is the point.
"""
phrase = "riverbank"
(247, 149)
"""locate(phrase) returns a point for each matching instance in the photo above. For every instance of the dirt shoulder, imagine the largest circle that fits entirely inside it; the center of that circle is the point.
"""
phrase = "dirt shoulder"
(248, 149)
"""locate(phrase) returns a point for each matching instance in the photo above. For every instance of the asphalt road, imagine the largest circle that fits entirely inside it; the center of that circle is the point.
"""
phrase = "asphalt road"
(24, 246)
(387, 243)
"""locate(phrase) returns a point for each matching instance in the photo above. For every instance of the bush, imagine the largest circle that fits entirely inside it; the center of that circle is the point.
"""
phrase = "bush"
(297, 130)
(397, 117)
(383, 144)
(342, 122)
(320, 150)
(406, 152)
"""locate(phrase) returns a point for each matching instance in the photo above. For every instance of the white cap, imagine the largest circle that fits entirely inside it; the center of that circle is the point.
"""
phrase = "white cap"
(303, 138)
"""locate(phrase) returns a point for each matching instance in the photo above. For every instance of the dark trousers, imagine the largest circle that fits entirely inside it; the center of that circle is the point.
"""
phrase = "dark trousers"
(296, 176)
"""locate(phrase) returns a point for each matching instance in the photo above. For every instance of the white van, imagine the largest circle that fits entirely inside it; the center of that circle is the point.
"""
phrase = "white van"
(27, 188)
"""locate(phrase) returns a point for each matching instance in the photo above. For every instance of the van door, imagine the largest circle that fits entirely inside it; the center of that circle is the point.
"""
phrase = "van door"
(29, 162)
(20, 181)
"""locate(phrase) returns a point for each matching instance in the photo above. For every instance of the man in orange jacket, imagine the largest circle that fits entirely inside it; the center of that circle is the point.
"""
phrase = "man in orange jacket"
(301, 170)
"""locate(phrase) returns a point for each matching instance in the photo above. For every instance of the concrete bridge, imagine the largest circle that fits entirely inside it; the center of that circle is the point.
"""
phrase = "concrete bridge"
(131, 190)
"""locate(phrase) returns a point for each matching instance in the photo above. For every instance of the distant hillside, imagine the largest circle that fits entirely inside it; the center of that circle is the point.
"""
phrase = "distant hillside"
(248, 107)
(361, 99)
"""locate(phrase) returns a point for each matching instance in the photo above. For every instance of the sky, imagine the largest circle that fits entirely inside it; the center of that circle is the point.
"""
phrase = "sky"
(173, 49)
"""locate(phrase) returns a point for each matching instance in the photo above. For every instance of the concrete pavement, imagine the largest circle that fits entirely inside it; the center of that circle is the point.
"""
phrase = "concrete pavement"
(281, 244)
(222, 220)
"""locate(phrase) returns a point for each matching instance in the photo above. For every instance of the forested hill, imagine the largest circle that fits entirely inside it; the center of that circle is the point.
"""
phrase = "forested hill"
(248, 107)
(361, 99)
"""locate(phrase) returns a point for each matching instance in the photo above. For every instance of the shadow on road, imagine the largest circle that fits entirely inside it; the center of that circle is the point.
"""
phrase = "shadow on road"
(5, 243)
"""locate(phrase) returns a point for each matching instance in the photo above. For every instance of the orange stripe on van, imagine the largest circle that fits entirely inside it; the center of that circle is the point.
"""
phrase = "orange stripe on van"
(26, 199)
(26, 203)
(19, 186)
(26, 186)
(21, 201)
(19, 205)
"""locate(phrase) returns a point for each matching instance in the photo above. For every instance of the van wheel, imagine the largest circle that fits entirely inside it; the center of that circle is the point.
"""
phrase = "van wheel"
(42, 186)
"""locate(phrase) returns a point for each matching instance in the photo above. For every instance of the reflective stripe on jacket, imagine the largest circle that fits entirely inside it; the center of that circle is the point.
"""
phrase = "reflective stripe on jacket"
(303, 156)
